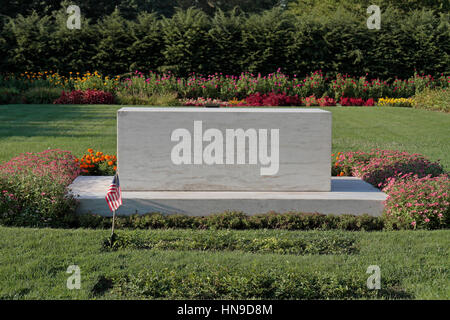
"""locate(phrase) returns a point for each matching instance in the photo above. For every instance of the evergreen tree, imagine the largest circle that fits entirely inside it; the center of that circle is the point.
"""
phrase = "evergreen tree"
(30, 36)
(112, 56)
(147, 45)
(186, 42)
(225, 52)
(264, 41)
(73, 49)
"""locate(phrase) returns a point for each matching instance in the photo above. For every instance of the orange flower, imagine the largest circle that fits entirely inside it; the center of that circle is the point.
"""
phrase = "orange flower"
(90, 151)
(115, 168)
(110, 163)
(341, 174)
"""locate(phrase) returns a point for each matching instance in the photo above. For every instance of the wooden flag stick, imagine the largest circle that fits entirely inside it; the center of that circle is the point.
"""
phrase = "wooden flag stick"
(112, 227)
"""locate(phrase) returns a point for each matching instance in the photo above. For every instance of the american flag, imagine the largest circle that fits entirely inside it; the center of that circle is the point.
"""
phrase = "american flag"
(114, 194)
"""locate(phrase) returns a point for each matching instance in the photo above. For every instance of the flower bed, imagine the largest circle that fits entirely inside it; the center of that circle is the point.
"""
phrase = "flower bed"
(97, 164)
(33, 189)
(419, 203)
(418, 189)
(393, 102)
(275, 89)
(85, 97)
(377, 166)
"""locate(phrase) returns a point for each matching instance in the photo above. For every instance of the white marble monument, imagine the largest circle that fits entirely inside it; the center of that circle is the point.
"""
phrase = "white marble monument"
(224, 149)
(200, 161)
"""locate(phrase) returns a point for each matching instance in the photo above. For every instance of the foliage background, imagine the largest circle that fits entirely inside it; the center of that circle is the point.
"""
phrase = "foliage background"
(257, 36)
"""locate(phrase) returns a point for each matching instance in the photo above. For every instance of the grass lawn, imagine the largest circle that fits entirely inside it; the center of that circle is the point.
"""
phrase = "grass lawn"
(27, 128)
(413, 264)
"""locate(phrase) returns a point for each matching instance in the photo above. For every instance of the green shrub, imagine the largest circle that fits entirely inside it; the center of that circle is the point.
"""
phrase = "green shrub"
(9, 95)
(251, 283)
(220, 240)
(42, 95)
(142, 98)
(237, 221)
(433, 99)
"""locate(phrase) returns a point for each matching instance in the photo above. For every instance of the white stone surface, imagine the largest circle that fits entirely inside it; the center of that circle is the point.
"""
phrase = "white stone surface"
(145, 148)
(348, 195)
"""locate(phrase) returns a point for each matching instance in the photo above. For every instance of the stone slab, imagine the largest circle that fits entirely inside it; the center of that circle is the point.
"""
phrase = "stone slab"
(191, 149)
(348, 195)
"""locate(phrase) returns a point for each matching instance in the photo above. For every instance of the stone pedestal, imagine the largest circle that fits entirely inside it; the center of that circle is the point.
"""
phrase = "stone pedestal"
(348, 195)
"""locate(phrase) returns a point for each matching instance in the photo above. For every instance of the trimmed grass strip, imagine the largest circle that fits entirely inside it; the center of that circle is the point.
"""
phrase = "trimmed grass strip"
(253, 242)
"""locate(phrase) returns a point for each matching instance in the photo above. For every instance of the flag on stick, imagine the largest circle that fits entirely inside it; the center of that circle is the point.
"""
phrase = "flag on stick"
(114, 200)
(114, 195)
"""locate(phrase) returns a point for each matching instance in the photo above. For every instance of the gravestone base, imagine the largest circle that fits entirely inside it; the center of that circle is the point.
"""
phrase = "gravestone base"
(348, 195)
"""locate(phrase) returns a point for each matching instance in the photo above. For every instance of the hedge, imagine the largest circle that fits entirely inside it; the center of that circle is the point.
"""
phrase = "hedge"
(191, 41)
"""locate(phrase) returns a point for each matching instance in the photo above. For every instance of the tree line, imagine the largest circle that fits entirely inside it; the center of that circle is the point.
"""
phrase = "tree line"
(230, 42)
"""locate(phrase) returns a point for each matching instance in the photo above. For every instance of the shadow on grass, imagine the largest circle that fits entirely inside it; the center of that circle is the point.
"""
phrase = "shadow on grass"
(54, 120)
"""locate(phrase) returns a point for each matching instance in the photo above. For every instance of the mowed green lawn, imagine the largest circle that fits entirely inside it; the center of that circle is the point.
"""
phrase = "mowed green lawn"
(33, 264)
(27, 128)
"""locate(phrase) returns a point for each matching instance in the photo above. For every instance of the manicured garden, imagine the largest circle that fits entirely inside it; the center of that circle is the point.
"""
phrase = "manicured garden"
(388, 90)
